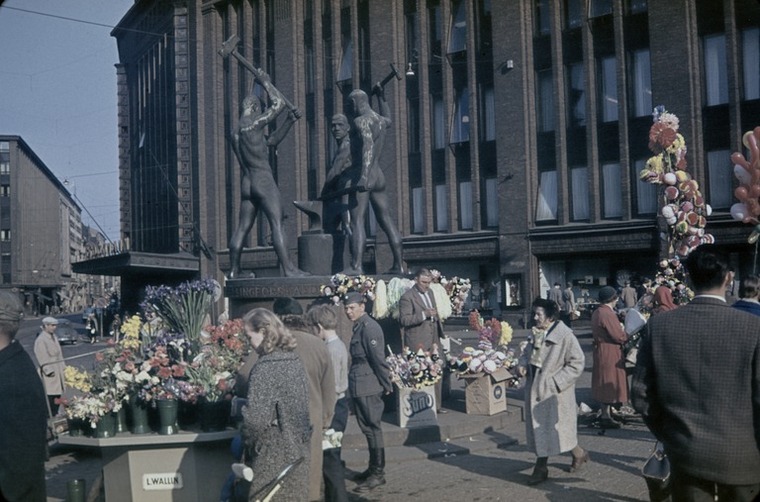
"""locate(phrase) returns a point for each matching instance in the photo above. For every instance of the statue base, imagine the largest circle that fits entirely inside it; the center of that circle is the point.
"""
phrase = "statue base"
(246, 294)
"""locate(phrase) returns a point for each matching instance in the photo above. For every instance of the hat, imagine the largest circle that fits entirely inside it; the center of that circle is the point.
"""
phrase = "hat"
(607, 294)
(10, 307)
(353, 297)
(50, 320)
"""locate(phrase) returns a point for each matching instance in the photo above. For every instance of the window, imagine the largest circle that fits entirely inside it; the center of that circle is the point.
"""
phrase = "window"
(600, 7)
(418, 215)
(5, 190)
(488, 129)
(460, 125)
(642, 83)
(576, 96)
(346, 70)
(458, 37)
(545, 101)
(5, 235)
(613, 192)
(579, 188)
(441, 208)
(574, 13)
(646, 193)
(5, 167)
(542, 17)
(751, 63)
(5, 146)
(439, 129)
(546, 205)
(465, 205)
(637, 6)
(492, 203)
(716, 78)
(720, 179)
(608, 89)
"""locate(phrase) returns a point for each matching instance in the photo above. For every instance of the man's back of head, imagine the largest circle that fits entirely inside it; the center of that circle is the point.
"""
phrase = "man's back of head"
(707, 266)
(11, 313)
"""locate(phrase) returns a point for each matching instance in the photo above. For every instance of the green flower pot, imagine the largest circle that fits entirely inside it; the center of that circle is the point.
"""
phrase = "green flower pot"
(138, 413)
(167, 416)
(105, 427)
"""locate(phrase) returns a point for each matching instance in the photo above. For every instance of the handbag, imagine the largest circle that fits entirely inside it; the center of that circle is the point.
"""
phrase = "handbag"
(657, 466)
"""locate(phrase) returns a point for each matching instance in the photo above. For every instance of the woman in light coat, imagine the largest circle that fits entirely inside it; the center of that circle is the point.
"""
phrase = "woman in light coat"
(552, 360)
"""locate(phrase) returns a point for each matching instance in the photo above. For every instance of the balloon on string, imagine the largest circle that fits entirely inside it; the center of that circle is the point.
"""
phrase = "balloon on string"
(739, 211)
(741, 193)
(742, 173)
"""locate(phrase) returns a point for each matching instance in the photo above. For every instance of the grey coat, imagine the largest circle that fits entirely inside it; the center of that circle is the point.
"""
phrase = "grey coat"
(551, 417)
(49, 356)
(276, 424)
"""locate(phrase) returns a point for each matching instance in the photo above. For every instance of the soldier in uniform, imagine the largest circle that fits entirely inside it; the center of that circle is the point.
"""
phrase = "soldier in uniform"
(368, 379)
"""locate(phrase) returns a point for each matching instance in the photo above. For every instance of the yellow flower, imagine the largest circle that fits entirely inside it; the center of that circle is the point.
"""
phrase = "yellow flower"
(131, 331)
(76, 379)
(506, 333)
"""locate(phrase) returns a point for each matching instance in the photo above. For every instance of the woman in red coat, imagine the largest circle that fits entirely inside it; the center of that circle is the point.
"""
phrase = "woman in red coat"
(609, 384)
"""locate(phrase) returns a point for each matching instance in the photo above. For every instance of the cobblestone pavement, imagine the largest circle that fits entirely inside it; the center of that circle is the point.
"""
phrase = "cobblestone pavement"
(489, 466)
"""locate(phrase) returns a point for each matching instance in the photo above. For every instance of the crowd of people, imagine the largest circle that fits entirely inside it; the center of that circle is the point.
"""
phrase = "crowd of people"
(696, 385)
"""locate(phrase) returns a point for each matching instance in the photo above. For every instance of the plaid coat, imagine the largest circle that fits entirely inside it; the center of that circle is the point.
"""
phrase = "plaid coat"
(697, 385)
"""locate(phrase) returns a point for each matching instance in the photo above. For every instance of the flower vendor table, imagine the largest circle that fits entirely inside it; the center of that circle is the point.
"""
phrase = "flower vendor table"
(183, 467)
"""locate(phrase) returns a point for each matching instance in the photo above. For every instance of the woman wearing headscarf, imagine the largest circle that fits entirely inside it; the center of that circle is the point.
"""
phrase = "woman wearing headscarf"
(663, 299)
(552, 360)
(276, 425)
(609, 383)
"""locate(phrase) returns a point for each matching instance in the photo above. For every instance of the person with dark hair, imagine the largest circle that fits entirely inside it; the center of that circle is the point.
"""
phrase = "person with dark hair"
(368, 380)
(749, 295)
(316, 360)
(552, 361)
(609, 381)
(23, 412)
(325, 320)
(697, 387)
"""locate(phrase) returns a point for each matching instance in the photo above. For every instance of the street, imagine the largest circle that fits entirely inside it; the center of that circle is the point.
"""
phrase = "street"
(483, 466)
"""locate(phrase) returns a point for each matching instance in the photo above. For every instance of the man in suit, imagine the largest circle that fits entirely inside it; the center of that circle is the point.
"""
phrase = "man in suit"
(697, 386)
(418, 316)
(368, 380)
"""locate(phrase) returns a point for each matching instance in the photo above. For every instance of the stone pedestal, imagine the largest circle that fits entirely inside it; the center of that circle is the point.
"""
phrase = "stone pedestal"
(246, 294)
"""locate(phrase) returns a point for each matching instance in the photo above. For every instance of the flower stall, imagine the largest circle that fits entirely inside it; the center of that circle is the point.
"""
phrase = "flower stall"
(177, 383)
(415, 374)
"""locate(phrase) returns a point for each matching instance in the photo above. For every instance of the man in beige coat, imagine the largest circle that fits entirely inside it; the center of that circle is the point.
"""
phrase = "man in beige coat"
(49, 356)
(316, 360)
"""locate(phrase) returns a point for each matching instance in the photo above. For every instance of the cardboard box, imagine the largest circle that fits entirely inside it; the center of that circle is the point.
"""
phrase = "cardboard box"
(415, 407)
(486, 394)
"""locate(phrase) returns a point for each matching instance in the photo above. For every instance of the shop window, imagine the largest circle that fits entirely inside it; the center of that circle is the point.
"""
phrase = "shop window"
(751, 63)
(608, 89)
(716, 78)
(546, 204)
(576, 95)
(579, 190)
(641, 87)
(720, 179)
(613, 192)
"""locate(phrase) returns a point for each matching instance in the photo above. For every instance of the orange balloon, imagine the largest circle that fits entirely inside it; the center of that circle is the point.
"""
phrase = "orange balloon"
(741, 193)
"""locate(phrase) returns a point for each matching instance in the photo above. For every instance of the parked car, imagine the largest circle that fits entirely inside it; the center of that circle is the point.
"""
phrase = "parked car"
(66, 333)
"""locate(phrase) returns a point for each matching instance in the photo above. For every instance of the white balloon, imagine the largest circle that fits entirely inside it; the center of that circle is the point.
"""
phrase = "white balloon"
(739, 211)
(670, 178)
(742, 175)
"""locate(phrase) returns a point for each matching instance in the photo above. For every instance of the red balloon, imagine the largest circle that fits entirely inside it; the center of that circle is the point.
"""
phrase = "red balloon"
(754, 191)
(741, 193)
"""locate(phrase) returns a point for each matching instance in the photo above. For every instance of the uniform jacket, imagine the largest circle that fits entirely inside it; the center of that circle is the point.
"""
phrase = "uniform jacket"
(369, 372)
(321, 379)
(609, 382)
(276, 424)
(697, 386)
(551, 417)
(49, 356)
(418, 331)
(23, 433)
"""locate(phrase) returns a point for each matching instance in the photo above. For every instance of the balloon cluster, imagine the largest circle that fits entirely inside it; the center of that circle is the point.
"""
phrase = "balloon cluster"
(748, 174)
(685, 209)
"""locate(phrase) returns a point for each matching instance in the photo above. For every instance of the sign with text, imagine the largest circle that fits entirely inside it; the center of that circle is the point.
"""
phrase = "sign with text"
(162, 481)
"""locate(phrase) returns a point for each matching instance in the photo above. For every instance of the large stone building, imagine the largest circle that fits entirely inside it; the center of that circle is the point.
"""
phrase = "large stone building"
(519, 126)
(40, 228)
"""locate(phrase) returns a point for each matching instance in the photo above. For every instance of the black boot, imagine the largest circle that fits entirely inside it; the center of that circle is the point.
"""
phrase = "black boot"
(376, 471)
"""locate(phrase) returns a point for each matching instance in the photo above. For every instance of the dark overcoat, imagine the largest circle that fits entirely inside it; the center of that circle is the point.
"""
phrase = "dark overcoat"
(609, 381)
(697, 386)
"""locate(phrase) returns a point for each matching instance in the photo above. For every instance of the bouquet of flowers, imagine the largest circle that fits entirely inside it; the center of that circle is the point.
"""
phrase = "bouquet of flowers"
(90, 406)
(415, 369)
(474, 361)
(184, 308)
(492, 333)
(340, 284)
(221, 354)
(457, 288)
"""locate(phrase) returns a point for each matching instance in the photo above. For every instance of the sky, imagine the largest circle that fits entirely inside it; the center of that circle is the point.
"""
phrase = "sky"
(58, 92)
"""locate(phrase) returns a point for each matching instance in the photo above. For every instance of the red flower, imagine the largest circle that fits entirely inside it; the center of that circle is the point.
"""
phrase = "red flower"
(660, 137)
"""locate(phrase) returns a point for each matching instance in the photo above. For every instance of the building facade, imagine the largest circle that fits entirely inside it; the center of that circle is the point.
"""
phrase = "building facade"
(40, 228)
(519, 127)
